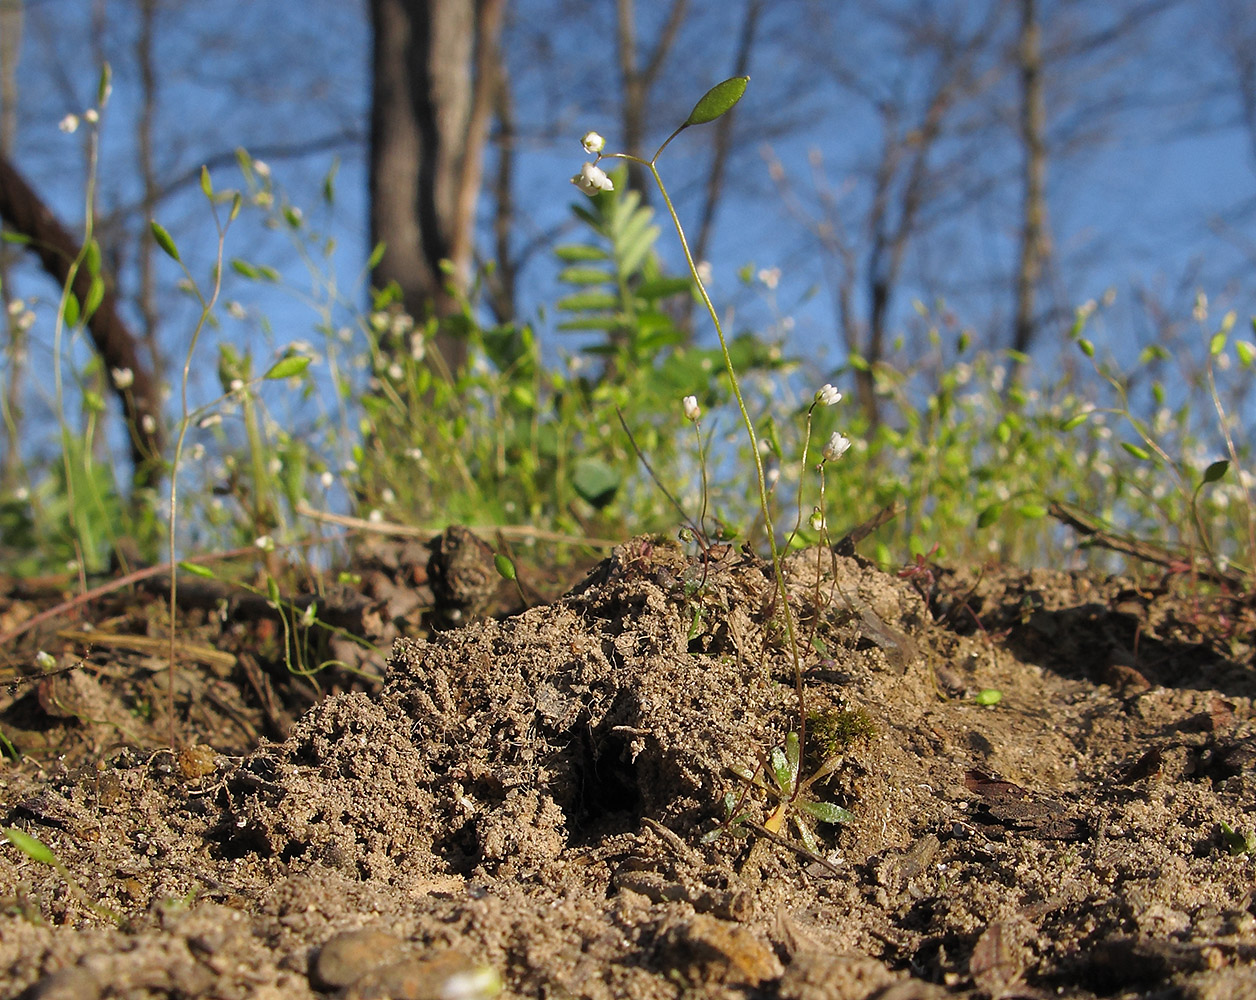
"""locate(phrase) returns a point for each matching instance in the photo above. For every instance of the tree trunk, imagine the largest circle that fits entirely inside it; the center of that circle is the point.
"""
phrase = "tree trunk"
(26, 213)
(434, 72)
(1033, 127)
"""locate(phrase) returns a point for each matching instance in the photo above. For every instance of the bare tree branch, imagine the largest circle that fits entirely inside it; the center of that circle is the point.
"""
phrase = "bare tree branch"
(57, 250)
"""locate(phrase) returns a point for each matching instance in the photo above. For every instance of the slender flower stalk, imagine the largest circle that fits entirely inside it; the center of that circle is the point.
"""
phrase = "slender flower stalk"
(583, 181)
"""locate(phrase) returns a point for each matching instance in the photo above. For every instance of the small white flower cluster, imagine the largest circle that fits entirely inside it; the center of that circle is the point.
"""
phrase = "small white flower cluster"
(592, 178)
(692, 410)
(21, 315)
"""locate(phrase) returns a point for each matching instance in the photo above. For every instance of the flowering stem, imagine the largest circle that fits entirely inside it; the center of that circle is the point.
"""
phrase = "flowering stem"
(764, 506)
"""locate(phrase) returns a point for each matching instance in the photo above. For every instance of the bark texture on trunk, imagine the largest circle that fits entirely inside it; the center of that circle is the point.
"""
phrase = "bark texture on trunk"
(434, 73)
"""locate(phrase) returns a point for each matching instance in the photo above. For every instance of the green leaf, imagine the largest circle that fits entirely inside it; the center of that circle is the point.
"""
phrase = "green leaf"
(32, 847)
(95, 295)
(579, 252)
(91, 260)
(329, 182)
(595, 481)
(1074, 421)
(1246, 351)
(376, 256)
(989, 696)
(207, 184)
(1032, 511)
(18, 239)
(778, 764)
(196, 569)
(71, 310)
(505, 567)
(163, 239)
(588, 300)
(826, 812)
(1216, 470)
(245, 269)
(793, 754)
(1217, 344)
(583, 276)
(718, 100)
(294, 364)
(1087, 347)
(664, 287)
(989, 515)
(104, 84)
(1138, 451)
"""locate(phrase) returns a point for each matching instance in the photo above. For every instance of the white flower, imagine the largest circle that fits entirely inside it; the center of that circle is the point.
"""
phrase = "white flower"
(211, 420)
(828, 396)
(327, 479)
(235, 310)
(91, 116)
(262, 168)
(704, 271)
(837, 446)
(592, 179)
(1200, 312)
(45, 660)
(593, 143)
(123, 378)
(414, 454)
(817, 520)
(770, 276)
(69, 124)
(376, 516)
(387, 495)
(149, 423)
(692, 410)
(265, 543)
(197, 454)
(236, 384)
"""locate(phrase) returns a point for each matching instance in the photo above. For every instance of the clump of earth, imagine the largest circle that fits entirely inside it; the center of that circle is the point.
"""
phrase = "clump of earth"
(1043, 783)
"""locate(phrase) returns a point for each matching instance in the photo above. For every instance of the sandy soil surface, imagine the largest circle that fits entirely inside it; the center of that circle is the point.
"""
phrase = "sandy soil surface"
(539, 803)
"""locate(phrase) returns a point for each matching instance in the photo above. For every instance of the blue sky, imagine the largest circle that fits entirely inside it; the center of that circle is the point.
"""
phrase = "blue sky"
(1134, 210)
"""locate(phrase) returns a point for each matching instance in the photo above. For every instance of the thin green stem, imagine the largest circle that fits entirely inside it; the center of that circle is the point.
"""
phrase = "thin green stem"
(207, 307)
(760, 477)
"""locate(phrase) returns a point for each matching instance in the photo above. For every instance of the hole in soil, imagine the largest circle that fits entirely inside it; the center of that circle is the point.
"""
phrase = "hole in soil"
(608, 789)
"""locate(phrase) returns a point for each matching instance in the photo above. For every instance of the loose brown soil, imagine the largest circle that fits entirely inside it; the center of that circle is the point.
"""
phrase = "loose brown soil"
(538, 799)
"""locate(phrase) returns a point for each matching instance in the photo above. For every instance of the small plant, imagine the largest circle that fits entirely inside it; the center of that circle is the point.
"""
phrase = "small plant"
(788, 795)
(1237, 842)
(41, 853)
(782, 765)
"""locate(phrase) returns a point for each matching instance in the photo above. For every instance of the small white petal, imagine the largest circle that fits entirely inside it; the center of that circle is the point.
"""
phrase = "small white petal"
(827, 395)
(593, 143)
(692, 410)
(592, 179)
(837, 447)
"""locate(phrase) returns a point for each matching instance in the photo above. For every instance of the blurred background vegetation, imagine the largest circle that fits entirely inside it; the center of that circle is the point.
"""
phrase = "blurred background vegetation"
(929, 205)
